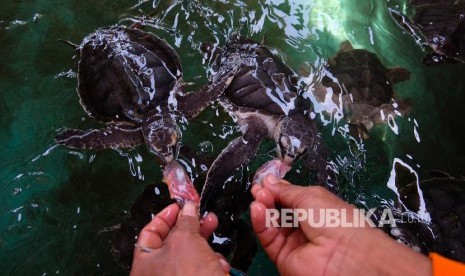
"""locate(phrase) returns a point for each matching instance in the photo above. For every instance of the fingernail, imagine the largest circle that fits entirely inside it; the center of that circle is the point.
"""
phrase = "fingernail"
(255, 189)
(144, 236)
(189, 209)
(165, 212)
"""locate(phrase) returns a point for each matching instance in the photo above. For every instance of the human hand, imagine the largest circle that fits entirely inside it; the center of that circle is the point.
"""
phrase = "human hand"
(326, 251)
(174, 243)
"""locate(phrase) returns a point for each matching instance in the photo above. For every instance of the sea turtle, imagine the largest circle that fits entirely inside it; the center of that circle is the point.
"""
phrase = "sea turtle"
(430, 214)
(441, 23)
(264, 100)
(132, 80)
(362, 87)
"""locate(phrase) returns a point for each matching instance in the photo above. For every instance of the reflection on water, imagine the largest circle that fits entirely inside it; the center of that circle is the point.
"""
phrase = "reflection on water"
(56, 201)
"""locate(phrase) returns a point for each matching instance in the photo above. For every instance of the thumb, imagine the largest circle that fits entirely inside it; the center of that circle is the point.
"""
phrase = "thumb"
(188, 220)
(286, 194)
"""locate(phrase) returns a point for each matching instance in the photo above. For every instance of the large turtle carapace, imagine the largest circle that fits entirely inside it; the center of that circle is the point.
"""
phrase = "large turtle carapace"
(363, 88)
(441, 23)
(430, 213)
(132, 80)
(264, 98)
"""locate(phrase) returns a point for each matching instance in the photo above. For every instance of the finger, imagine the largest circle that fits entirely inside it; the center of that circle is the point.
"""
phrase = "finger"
(266, 197)
(208, 224)
(312, 197)
(188, 220)
(224, 264)
(294, 239)
(152, 235)
(270, 238)
(293, 196)
(255, 189)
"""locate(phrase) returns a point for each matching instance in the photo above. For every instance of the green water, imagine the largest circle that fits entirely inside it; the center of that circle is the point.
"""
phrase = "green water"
(56, 203)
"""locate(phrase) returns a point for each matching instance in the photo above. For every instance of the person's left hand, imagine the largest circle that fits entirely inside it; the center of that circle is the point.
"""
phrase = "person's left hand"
(174, 243)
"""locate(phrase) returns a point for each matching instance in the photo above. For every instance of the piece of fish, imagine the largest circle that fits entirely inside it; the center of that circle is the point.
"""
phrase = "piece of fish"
(179, 184)
(274, 167)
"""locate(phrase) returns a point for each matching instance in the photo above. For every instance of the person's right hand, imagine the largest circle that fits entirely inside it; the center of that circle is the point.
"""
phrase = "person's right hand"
(326, 251)
(174, 243)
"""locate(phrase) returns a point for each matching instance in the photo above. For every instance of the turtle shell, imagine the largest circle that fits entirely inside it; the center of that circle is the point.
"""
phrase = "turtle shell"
(262, 82)
(440, 24)
(124, 72)
(443, 25)
(444, 198)
(361, 73)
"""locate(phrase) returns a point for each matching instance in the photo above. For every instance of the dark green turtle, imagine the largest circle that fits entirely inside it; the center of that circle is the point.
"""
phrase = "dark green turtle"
(362, 87)
(430, 215)
(441, 23)
(132, 81)
(265, 102)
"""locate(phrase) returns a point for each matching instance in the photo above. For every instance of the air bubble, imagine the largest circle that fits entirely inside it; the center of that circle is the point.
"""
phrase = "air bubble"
(206, 146)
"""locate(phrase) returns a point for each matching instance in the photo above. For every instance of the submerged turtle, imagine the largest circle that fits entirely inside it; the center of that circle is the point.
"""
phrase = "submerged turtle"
(264, 99)
(362, 87)
(132, 80)
(430, 216)
(442, 24)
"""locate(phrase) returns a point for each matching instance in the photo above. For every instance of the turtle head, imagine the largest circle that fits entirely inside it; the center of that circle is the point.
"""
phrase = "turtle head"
(162, 136)
(294, 138)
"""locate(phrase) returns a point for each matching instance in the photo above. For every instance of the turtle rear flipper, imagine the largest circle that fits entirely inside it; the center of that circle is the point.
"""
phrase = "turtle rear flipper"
(382, 114)
(398, 74)
(113, 136)
(237, 153)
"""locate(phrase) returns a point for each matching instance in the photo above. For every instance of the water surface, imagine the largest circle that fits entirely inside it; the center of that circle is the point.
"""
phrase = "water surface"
(57, 203)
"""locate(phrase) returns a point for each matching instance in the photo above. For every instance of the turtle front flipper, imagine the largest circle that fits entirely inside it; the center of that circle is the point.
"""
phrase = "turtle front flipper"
(191, 104)
(317, 159)
(113, 136)
(237, 153)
